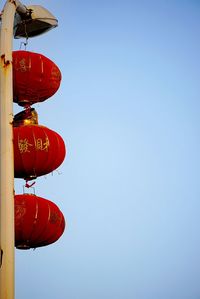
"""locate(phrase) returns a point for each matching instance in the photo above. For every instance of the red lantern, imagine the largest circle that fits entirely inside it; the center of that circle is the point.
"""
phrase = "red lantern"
(35, 78)
(37, 149)
(38, 221)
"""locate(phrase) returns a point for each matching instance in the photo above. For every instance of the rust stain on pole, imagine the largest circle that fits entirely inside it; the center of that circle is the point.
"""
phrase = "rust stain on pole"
(13, 1)
(5, 63)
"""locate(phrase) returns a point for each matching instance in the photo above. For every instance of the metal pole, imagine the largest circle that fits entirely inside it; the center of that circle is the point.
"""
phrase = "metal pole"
(7, 238)
(7, 289)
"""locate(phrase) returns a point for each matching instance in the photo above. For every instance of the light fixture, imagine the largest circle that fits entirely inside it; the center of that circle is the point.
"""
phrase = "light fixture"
(36, 21)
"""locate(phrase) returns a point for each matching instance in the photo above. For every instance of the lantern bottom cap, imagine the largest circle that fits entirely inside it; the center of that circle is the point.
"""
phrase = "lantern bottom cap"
(23, 246)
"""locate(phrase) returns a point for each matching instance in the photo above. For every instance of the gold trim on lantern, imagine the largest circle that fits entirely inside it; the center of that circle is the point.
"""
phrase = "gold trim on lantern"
(26, 117)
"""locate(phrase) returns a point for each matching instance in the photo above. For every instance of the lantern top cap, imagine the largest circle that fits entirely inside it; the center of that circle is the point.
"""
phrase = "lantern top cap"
(37, 21)
(26, 117)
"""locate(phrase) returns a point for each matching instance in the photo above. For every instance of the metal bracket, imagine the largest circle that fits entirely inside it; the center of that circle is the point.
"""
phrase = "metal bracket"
(1, 257)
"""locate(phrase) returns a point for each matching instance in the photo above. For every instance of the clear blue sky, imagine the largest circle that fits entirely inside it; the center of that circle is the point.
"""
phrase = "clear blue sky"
(128, 110)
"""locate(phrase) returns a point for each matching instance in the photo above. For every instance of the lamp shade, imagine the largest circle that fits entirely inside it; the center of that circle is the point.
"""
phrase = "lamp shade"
(35, 78)
(38, 21)
(38, 221)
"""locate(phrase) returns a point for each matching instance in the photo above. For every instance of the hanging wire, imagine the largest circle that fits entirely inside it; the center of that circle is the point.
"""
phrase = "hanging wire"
(24, 44)
(26, 34)
(58, 172)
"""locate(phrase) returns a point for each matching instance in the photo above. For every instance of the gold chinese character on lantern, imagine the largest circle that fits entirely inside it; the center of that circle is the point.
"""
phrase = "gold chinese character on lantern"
(23, 66)
(24, 145)
(42, 145)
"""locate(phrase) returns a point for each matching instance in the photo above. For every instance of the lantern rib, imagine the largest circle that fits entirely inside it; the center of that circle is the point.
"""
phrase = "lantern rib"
(34, 222)
(61, 225)
(48, 159)
(40, 236)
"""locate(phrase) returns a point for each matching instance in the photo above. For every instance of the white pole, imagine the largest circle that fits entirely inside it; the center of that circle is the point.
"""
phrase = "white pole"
(7, 238)
(7, 289)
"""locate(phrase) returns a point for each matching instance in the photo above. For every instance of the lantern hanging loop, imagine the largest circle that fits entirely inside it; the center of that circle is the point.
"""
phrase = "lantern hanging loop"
(24, 44)
(29, 186)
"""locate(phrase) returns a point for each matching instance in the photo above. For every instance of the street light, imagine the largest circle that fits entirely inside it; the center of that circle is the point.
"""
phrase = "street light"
(36, 21)
(20, 21)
